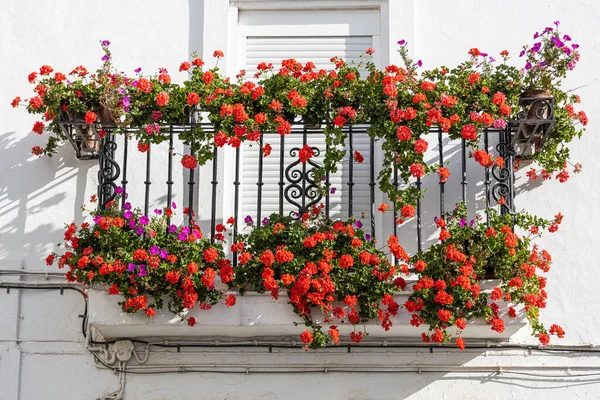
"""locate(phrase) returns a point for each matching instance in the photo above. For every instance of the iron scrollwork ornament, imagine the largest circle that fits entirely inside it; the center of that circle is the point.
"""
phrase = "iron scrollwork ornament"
(302, 191)
(109, 171)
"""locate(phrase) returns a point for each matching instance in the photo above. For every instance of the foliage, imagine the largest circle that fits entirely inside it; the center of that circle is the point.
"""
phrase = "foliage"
(332, 274)
(401, 104)
(449, 274)
(146, 260)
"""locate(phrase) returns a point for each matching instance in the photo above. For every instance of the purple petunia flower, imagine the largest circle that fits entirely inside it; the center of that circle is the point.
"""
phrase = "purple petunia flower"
(575, 46)
(172, 229)
(548, 29)
(143, 220)
(163, 70)
(471, 223)
(131, 268)
(367, 237)
(97, 219)
(492, 59)
(128, 214)
(119, 190)
(522, 53)
(132, 224)
(332, 190)
(402, 42)
(138, 70)
(463, 222)
(528, 65)
(105, 43)
(173, 205)
(126, 101)
(182, 237)
(537, 35)
(157, 211)
(557, 23)
(566, 38)
(248, 220)
(143, 271)
(420, 63)
(265, 221)
(358, 224)
(536, 47)
(186, 230)
(139, 230)
(127, 206)
(105, 57)
(154, 250)
(163, 254)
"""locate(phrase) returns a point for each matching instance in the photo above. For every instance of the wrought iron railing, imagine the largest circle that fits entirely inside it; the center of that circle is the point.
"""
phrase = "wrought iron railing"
(297, 188)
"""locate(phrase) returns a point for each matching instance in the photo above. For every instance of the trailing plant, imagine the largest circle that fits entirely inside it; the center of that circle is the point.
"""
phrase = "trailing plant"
(145, 260)
(401, 104)
(331, 273)
(547, 63)
(449, 274)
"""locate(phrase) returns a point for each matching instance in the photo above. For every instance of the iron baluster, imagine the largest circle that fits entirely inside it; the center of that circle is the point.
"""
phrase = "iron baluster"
(236, 195)
(281, 165)
(419, 241)
(351, 172)
(124, 180)
(372, 185)
(214, 183)
(147, 182)
(487, 179)
(463, 154)
(260, 181)
(442, 183)
(170, 174)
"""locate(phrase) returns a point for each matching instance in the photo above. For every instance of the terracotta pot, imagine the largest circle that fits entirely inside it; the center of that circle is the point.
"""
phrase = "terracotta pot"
(86, 133)
(534, 109)
(104, 115)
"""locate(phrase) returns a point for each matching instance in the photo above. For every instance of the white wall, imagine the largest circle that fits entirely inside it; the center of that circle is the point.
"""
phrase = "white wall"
(41, 350)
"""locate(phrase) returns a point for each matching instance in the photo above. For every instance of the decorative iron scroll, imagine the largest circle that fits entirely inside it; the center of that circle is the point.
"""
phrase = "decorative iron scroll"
(302, 191)
(109, 171)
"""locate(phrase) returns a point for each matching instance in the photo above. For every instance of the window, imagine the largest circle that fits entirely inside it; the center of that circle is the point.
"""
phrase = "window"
(272, 36)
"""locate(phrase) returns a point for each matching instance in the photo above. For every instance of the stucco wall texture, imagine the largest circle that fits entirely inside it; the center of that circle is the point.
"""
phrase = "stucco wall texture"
(42, 352)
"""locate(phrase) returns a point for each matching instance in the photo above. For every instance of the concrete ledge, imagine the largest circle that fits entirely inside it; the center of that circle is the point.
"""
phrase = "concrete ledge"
(254, 317)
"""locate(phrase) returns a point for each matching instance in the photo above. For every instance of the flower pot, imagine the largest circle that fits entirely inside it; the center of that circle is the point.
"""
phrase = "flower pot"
(536, 104)
(85, 133)
(536, 113)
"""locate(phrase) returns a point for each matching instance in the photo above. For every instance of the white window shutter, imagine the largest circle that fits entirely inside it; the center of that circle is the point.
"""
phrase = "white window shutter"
(318, 49)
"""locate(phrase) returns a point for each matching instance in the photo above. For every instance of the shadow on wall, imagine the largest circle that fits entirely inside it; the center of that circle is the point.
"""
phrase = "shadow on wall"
(34, 199)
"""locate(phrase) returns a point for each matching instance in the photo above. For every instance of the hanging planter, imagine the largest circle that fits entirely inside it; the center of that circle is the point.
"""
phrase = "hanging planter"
(81, 130)
(534, 121)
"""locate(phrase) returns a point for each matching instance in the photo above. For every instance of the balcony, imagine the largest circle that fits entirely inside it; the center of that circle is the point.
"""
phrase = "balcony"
(243, 183)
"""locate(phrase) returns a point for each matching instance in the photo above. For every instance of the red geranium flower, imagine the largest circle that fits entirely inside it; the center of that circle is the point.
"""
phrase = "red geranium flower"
(189, 161)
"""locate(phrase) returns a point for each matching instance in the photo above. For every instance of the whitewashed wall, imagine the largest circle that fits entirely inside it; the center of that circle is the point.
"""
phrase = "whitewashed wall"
(42, 355)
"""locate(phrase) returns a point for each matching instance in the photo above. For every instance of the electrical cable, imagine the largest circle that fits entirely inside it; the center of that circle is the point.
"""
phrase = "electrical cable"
(325, 369)
(48, 286)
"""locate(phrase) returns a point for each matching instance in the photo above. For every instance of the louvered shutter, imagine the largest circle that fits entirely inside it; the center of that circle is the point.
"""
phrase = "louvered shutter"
(318, 50)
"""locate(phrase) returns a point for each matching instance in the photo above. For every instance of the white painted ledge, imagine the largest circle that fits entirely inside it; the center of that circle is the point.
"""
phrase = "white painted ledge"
(254, 317)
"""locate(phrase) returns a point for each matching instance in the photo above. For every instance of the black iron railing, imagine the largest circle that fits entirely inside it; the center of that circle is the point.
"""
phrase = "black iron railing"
(296, 185)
